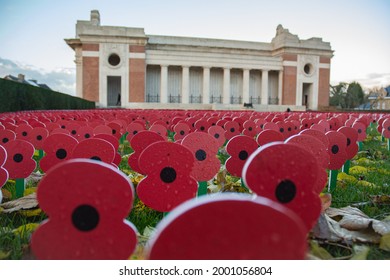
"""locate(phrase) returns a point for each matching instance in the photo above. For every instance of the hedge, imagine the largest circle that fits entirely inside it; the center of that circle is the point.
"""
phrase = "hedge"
(16, 96)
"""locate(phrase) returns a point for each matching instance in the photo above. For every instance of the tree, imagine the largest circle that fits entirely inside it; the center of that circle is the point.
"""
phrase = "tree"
(347, 96)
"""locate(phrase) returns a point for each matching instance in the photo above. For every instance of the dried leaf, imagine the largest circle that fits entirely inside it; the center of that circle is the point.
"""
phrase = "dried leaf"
(25, 230)
(329, 229)
(358, 170)
(26, 202)
(7, 195)
(333, 212)
(381, 227)
(30, 213)
(380, 199)
(4, 255)
(385, 242)
(326, 201)
(361, 252)
(319, 251)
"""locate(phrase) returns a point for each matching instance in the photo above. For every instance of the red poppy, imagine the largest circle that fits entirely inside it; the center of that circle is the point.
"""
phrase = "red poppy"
(204, 147)
(96, 149)
(317, 134)
(334, 123)
(23, 131)
(160, 129)
(218, 133)
(168, 182)
(116, 129)
(319, 151)
(285, 173)
(85, 132)
(267, 136)
(201, 125)
(352, 137)
(138, 143)
(87, 203)
(232, 129)
(58, 147)
(3, 172)
(272, 126)
(181, 130)
(239, 148)
(19, 163)
(102, 129)
(361, 129)
(250, 128)
(37, 136)
(6, 135)
(132, 129)
(231, 221)
(51, 126)
(73, 127)
(386, 128)
(336, 149)
(114, 142)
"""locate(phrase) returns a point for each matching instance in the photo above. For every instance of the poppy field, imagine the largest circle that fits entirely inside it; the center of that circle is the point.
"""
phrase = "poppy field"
(174, 184)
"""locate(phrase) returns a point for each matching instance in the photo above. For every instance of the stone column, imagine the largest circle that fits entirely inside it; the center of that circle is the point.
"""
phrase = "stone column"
(226, 86)
(280, 87)
(79, 72)
(264, 87)
(185, 85)
(164, 84)
(206, 85)
(245, 86)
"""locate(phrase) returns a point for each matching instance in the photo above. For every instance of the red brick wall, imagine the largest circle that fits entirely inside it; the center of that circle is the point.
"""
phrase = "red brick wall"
(137, 80)
(91, 78)
(324, 59)
(289, 85)
(91, 47)
(137, 49)
(323, 87)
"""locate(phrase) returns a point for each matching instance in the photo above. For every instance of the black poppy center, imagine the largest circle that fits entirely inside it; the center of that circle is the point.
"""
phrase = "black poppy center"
(18, 157)
(348, 141)
(74, 132)
(216, 135)
(182, 132)
(243, 155)
(250, 128)
(85, 218)
(359, 131)
(87, 135)
(96, 158)
(168, 174)
(24, 133)
(335, 149)
(135, 132)
(202, 128)
(289, 129)
(388, 128)
(113, 131)
(281, 129)
(232, 129)
(39, 137)
(61, 154)
(5, 140)
(285, 191)
(200, 155)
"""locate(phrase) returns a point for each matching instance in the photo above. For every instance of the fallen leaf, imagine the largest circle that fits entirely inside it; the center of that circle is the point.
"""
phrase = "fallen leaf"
(30, 213)
(380, 199)
(358, 170)
(25, 230)
(361, 252)
(365, 184)
(326, 201)
(26, 202)
(385, 243)
(319, 251)
(4, 255)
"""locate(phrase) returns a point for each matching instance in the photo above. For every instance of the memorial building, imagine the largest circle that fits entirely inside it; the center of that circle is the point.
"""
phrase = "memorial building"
(124, 67)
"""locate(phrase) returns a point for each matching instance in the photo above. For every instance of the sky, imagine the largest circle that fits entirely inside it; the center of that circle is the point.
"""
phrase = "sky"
(32, 32)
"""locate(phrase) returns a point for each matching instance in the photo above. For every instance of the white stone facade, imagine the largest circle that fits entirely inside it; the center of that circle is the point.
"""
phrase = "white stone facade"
(184, 72)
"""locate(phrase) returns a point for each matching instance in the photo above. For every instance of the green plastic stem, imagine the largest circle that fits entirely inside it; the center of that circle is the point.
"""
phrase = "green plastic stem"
(332, 180)
(202, 188)
(346, 166)
(19, 185)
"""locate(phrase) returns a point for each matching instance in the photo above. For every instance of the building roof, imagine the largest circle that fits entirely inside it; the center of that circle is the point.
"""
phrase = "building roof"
(31, 82)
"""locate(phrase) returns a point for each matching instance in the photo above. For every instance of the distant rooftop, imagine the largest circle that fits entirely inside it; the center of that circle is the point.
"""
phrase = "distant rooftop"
(21, 79)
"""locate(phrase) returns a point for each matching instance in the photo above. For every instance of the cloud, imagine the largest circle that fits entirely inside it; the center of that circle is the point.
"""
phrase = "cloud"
(60, 79)
(371, 80)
